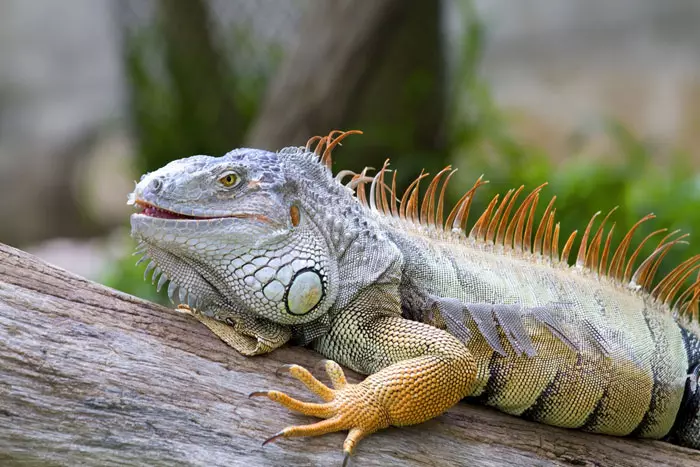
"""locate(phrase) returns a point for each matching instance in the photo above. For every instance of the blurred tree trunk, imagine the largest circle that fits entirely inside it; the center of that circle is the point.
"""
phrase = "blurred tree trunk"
(186, 106)
(199, 75)
(378, 68)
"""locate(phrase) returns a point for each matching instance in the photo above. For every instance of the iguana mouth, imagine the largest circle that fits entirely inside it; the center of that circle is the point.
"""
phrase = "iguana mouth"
(151, 210)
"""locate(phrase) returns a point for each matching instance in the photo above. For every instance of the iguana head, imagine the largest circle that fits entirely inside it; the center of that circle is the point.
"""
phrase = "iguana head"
(237, 234)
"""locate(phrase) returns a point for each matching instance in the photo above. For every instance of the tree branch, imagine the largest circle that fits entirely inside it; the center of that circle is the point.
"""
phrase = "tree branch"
(92, 376)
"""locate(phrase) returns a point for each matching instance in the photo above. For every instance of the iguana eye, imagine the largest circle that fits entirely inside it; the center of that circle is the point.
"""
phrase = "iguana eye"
(228, 180)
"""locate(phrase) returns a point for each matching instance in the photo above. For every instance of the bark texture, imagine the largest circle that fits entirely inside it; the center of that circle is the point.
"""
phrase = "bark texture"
(91, 376)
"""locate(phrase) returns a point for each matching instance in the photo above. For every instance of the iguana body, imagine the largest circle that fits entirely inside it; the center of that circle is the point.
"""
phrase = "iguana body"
(269, 246)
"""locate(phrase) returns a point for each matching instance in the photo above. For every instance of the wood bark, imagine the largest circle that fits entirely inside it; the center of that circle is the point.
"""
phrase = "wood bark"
(92, 376)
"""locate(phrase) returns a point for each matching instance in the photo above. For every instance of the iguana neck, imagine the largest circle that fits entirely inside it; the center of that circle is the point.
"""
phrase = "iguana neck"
(354, 235)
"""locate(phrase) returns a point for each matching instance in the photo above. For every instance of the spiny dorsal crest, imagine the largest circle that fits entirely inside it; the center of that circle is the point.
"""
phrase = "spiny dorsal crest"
(496, 226)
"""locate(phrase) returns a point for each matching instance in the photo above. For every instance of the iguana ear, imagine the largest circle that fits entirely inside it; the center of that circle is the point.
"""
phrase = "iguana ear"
(686, 429)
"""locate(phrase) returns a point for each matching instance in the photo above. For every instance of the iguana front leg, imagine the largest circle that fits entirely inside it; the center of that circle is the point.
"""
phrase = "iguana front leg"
(417, 372)
(247, 334)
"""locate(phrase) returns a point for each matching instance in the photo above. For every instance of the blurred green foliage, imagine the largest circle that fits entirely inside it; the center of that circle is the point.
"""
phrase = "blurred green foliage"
(635, 176)
(124, 275)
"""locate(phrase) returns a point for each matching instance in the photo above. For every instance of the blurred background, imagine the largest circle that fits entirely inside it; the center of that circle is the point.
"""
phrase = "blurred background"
(600, 98)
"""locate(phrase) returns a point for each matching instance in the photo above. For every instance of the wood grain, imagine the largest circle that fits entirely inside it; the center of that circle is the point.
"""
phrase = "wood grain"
(92, 376)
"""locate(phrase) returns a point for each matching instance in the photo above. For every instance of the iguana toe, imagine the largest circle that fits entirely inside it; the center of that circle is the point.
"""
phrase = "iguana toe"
(353, 407)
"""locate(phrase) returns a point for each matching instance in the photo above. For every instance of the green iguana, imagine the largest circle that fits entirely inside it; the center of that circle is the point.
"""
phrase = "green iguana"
(266, 247)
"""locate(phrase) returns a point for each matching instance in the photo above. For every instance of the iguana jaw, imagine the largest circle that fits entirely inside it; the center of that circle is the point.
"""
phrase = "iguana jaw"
(150, 210)
(147, 209)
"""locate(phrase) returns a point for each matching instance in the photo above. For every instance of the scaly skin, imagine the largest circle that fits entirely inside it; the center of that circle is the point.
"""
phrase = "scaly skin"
(266, 247)
(637, 389)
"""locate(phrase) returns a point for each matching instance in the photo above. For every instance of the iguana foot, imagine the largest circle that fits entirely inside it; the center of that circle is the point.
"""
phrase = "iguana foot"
(246, 334)
(354, 407)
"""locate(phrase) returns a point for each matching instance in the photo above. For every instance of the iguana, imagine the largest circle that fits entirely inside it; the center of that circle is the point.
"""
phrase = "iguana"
(266, 248)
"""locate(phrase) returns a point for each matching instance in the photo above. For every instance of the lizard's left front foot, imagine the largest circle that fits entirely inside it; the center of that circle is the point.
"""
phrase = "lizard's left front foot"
(246, 334)
(353, 407)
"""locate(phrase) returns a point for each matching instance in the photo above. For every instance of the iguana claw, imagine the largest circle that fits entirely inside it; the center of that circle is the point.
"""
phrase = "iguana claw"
(346, 407)
(274, 437)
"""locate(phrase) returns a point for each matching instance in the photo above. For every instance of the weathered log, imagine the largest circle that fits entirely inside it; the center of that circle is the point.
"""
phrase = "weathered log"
(92, 376)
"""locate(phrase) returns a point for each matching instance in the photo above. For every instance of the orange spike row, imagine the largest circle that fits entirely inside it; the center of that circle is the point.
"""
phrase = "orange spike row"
(627, 275)
(375, 198)
(457, 219)
(441, 201)
(478, 231)
(566, 251)
(555, 244)
(405, 199)
(618, 259)
(592, 256)
(606, 251)
(494, 221)
(646, 277)
(333, 141)
(537, 247)
(501, 232)
(427, 209)
(496, 225)
(547, 242)
(668, 286)
(517, 222)
(581, 257)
